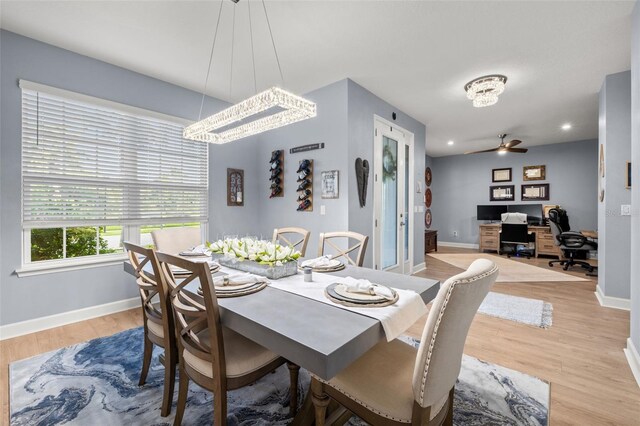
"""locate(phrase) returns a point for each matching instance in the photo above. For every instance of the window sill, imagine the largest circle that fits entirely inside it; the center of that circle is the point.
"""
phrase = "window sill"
(53, 266)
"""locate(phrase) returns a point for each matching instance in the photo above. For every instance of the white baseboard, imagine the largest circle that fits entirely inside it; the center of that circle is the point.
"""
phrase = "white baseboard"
(419, 268)
(612, 302)
(38, 324)
(634, 359)
(459, 245)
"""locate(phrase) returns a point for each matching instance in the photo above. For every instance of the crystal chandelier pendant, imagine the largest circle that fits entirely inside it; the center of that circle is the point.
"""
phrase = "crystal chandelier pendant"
(484, 91)
(236, 121)
(290, 109)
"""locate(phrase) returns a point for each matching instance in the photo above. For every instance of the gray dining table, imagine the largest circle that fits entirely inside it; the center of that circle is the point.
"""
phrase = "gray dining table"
(319, 337)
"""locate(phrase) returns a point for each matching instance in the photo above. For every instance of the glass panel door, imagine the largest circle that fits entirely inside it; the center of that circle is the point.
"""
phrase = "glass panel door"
(389, 214)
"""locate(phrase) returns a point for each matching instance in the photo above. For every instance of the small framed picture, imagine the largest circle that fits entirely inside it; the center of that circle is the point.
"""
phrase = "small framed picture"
(628, 180)
(330, 184)
(501, 175)
(502, 193)
(535, 192)
(534, 173)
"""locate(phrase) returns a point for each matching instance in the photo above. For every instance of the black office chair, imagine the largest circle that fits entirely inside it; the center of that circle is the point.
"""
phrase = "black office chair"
(570, 242)
(516, 234)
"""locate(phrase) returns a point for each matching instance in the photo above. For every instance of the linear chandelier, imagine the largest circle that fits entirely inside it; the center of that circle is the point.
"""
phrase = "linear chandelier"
(484, 91)
(230, 124)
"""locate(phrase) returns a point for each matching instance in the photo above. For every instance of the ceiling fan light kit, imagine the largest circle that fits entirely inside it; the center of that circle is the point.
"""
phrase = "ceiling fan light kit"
(484, 91)
(231, 122)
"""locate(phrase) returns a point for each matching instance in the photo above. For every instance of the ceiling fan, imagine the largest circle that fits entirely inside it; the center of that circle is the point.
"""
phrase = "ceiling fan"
(503, 148)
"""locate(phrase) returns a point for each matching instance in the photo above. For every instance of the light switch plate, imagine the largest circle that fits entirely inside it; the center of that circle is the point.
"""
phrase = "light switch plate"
(625, 210)
(322, 210)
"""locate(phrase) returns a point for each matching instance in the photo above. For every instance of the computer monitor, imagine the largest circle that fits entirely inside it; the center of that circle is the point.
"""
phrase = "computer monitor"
(533, 211)
(492, 212)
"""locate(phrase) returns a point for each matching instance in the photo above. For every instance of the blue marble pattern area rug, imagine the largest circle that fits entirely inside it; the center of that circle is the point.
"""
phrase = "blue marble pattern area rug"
(96, 383)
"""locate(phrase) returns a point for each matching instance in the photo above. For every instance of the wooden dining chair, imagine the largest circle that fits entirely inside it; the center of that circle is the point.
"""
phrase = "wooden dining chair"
(157, 319)
(214, 357)
(299, 243)
(397, 384)
(327, 238)
(175, 240)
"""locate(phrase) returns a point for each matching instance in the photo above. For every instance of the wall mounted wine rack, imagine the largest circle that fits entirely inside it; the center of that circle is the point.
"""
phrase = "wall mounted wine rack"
(276, 176)
(304, 184)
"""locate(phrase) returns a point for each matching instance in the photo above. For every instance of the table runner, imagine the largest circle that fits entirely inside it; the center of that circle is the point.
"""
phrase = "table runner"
(395, 319)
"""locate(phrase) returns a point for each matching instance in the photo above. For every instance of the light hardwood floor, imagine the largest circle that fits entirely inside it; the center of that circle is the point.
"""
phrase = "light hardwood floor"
(580, 355)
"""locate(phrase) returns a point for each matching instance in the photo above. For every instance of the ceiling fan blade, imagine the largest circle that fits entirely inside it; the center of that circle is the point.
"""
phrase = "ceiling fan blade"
(513, 143)
(522, 150)
(478, 152)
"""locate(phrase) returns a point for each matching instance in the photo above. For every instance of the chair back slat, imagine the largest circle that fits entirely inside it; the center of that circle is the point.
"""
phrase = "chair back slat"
(154, 297)
(195, 314)
(440, 353)
(327, 238)
(286, 237)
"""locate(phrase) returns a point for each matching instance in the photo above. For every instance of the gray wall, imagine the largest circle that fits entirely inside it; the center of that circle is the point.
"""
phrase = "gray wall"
(24, 58)
(635, 196)
(330, 128)
(614, 240)
(461, 182)
(362, 107)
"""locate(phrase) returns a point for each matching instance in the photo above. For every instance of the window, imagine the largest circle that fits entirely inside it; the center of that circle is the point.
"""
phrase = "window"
(95, 173)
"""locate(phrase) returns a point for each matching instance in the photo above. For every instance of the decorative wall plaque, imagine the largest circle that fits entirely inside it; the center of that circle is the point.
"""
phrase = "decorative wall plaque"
(235, 187)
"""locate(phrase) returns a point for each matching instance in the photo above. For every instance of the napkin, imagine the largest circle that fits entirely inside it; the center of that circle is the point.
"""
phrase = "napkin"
(201, 249)
(353, 285)
(237, 279)
(318, 262)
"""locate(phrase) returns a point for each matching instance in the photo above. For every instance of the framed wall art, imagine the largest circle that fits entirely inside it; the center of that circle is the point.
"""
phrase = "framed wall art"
(330, 184)
(628, 179)
(235, 187)
(502, 193)
(534, 173)
(535, 192)
(501, 175)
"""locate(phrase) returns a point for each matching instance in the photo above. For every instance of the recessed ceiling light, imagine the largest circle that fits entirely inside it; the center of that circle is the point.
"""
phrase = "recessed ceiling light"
(450, 143)
(566, 126)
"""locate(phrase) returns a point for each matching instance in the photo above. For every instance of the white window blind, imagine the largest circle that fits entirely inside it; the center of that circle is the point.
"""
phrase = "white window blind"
(89, 164)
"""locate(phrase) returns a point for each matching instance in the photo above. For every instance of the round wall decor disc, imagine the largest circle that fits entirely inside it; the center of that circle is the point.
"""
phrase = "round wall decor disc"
(427, 176)
(428, 218)
(428, 197)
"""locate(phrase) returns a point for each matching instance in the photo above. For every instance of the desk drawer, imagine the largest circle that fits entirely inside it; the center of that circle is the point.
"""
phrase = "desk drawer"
(489, 232)
(489, 243)
(547, 247)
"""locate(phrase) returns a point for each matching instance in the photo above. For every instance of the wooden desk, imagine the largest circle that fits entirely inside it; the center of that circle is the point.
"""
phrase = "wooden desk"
(322, 338)
(490, 239)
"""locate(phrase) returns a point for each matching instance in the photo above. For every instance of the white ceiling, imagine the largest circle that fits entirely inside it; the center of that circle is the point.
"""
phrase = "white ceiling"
(416, 55)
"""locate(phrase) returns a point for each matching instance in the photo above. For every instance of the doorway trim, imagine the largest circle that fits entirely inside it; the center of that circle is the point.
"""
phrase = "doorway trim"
(410, 140)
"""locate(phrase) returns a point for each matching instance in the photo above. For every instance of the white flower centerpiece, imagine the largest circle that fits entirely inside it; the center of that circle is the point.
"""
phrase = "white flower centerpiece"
(260, 257)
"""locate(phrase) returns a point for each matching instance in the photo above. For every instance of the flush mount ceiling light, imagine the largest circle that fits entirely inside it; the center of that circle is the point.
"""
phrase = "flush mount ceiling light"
(484, 91)
(450, 143)
(228, 123)
(566, 126)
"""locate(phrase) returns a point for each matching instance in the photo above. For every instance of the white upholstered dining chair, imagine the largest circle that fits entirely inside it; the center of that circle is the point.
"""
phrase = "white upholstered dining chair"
(175, 240)
(298, 238)
(396, 384)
